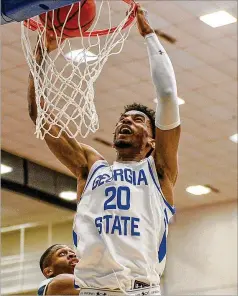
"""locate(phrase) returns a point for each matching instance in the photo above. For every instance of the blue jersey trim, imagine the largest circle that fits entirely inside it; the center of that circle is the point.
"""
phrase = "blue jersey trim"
(166, 216)
(75, 238)
(41, 291)
(172, 209)
(76, 286)
(162, 248)
(92, 174)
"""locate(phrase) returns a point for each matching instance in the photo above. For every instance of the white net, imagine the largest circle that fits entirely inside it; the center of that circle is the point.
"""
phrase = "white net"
(64, 80)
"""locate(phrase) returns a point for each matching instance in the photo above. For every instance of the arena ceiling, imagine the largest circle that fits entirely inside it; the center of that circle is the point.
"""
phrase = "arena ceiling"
(205, 63)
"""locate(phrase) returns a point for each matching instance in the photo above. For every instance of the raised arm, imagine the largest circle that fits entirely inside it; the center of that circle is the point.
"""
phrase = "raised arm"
(167, 119)
(78, 158)
(62, 284)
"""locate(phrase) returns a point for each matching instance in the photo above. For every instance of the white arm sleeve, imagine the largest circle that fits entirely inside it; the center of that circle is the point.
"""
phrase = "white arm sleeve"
(162, 72)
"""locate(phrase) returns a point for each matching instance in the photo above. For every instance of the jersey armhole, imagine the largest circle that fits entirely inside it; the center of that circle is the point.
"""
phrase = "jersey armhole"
(170, 210)
(96, 166)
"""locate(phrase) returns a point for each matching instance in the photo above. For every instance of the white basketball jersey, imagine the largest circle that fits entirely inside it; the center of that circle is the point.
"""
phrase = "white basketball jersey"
(121, 226)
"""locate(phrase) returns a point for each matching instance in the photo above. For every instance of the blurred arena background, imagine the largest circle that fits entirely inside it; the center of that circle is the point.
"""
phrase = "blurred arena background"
(202, 249)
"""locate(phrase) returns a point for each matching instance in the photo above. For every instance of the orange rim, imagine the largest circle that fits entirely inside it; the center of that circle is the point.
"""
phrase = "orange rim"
(34, 25)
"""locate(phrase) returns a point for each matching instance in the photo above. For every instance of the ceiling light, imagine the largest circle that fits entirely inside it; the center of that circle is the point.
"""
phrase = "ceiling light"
(198, 190)
(180, 101)
(68, 195)
(234, 138)
(218, 19)
(81, 56)
(5, 169)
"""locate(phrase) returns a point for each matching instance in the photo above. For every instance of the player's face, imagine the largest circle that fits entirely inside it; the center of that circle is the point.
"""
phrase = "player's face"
(63, 260)
(133, 130)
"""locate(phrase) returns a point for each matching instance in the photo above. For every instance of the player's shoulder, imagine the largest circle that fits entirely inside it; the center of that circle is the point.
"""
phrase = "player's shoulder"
(61, 282)
(43, 287)
(55, 284)
(91, 152)
(92, 155)
(63, 276)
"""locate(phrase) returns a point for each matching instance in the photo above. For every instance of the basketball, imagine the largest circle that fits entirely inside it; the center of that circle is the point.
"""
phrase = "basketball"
(64, 21)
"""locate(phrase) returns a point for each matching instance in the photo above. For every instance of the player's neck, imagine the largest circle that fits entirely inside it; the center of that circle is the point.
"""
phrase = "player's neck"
(129, 155)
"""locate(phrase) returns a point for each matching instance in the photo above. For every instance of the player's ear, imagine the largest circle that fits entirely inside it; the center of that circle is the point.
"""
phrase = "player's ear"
(150, 147)
(114, 137)
(151, 142)
(48, 272)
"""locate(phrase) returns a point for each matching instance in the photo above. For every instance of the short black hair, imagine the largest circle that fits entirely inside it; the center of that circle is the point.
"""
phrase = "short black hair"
(45, 259)
(144, 109)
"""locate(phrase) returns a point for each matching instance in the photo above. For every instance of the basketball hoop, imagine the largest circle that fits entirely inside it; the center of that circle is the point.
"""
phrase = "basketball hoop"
(65, 83)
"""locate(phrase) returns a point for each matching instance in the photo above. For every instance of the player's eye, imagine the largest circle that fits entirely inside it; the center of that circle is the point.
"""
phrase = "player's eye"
(62, 253)
(139, 119)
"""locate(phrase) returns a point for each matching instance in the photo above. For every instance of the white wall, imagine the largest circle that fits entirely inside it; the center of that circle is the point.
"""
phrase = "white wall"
(202, 252)
(19, 277)
(36, 239)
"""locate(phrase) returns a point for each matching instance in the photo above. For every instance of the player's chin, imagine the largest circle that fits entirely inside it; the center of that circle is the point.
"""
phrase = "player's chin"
(71, 268)
(123, 143)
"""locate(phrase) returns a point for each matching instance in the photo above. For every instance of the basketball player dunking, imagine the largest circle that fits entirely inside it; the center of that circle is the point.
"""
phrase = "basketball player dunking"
(122, 217)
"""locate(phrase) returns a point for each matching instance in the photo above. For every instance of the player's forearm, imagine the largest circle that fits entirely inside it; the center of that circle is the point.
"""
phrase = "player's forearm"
(161, 67)
(167, 113)
(31, 95)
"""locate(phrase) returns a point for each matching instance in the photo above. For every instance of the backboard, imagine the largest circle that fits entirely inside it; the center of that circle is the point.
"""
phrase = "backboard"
(19, 10)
